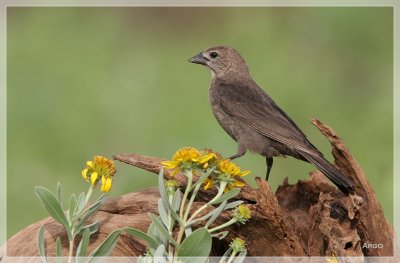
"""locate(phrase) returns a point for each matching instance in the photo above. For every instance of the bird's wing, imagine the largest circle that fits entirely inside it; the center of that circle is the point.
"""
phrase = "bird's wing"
(256, 109)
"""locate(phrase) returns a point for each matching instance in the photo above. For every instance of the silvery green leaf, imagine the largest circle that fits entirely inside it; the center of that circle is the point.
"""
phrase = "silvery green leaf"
(163, 213)
(153, 243)
(59, 193)
(220, 235)
(176, 201)
(163, 231)
(100, 198)
(41, 245)
(105, 248)
(197, 246)
(161, 186)
(241, 257)
(80, 204)
(228, 195)
(202, 218)
(156, 234)
(88, 212)
(93, 227)
(164, 197)
(85, 215)
(58, 250)
(188, 231)
(50, 202)
(233, 204)
(82, 247)
(216, 213)
(72, 207)
(159, 252)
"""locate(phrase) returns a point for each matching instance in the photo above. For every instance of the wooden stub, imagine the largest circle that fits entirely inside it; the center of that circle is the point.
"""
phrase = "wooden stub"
(309, 218)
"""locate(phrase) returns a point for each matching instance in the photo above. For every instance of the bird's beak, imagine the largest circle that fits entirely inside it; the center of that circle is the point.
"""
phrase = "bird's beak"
(199, 59)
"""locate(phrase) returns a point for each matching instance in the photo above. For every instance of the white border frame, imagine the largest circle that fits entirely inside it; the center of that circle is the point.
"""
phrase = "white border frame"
(212, 3)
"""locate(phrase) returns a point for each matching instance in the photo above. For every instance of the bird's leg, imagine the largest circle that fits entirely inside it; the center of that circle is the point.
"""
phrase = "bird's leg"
(236, 156)
(240, 152)
(269, 162)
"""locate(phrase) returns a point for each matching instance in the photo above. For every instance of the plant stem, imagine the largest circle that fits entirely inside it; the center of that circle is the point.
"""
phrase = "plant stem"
(220, 192)
(170, 228)
(71, 250)
(230, 222)
(189, 175)
(231, 257)
(189, 206)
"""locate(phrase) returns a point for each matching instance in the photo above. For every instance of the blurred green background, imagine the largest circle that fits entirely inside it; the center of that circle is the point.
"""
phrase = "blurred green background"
(85, 81)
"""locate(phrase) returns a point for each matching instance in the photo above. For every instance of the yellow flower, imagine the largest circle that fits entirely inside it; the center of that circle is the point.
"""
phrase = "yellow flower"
(208, 182)
(242, 213)
(100, 168)
(238, 245)
(229, 168)
(228, 173)
(184, 159)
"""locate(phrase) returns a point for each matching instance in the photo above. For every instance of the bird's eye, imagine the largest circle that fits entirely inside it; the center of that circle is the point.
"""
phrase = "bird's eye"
(213, 54)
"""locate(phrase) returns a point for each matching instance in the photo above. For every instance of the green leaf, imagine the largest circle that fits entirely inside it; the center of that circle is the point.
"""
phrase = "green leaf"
(80, 204)
(156, 234)
(93, 227)
(188, 231)
(88, 213)
(58, 250)
(198, 244)
(72, 206)
(176, 201)
(163, 213)
(159, 252)
(105, 248)
(228, 195)
(52, 206)
(216, 212)
(157, 223)
(137, 233)
(59, 193)
(164, 197)
(83, 246)
(41, 245)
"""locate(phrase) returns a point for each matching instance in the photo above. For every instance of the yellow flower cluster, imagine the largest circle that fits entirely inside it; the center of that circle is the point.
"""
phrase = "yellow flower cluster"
(100, 168)
(189, 158)
(186, 159)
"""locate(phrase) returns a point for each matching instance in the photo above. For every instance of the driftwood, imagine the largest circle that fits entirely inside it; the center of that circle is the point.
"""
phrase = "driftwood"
(309, 218)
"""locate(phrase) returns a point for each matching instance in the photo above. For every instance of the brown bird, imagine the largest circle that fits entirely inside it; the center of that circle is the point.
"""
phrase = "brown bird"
(253, 119)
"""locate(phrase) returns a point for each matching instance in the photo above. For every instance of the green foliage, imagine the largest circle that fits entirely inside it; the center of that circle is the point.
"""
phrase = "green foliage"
(74, 223)
(175, 212)
(198, 244)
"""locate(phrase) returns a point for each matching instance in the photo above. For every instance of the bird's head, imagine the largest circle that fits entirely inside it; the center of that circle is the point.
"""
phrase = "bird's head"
(224, 62)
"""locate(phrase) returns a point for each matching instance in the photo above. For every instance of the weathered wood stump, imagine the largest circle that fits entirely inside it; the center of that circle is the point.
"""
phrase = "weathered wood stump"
(309, 218)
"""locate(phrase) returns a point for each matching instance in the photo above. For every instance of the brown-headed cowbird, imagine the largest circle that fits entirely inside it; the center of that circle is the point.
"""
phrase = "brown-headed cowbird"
(253, 119)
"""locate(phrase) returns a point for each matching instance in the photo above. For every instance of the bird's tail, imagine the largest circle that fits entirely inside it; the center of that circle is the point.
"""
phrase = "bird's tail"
(330, 171)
